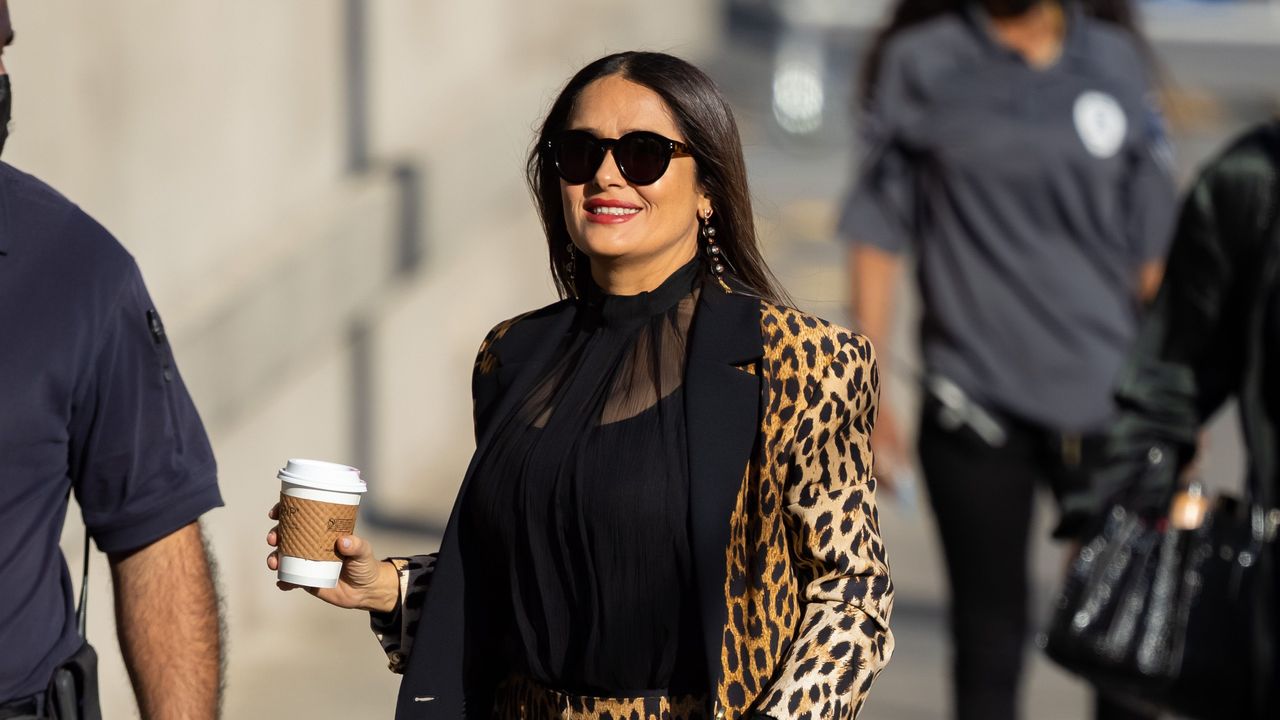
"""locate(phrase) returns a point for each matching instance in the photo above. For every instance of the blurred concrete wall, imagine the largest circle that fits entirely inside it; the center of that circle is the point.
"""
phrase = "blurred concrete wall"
(326, 199)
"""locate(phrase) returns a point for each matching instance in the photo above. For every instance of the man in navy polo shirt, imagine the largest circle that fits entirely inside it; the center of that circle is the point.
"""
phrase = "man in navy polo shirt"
(91, 402)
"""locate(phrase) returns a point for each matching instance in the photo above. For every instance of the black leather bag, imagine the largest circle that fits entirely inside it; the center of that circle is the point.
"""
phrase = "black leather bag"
(1166, 618)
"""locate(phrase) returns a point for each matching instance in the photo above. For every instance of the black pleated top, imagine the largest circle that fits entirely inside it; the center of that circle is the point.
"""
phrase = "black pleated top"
(578, 513)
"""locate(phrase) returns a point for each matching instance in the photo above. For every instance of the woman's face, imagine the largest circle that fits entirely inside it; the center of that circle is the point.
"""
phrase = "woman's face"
(645, 227)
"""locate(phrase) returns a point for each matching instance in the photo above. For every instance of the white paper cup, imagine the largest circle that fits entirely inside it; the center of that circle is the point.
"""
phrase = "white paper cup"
(318, 505)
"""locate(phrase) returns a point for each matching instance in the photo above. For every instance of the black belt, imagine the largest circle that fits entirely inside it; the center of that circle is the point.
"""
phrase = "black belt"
(22, 709)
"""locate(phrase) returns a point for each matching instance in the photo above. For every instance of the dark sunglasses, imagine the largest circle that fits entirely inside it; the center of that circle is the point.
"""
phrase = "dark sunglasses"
(642, 156)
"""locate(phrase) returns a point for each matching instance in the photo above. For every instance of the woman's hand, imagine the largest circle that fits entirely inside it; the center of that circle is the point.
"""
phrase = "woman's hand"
(365, 582)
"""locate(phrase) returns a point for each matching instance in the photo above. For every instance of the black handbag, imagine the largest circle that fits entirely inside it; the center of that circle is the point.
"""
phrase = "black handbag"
(1165, 618)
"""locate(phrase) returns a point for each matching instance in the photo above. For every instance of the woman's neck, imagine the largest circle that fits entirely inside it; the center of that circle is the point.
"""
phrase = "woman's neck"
(1037, 34)
(628, 276)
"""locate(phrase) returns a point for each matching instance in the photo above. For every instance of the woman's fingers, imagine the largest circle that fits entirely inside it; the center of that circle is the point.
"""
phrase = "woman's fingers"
(359, 571)
(354, 547)
(273, 539)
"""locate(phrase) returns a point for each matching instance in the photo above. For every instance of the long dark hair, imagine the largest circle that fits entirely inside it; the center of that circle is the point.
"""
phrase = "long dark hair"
(707, 123)
(908, 13)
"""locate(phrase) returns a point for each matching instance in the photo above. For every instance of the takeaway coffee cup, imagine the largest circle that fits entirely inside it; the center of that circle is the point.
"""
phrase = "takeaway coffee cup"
(318, 503)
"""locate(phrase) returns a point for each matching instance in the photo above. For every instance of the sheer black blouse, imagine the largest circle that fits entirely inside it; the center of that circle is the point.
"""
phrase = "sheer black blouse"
(578, 521)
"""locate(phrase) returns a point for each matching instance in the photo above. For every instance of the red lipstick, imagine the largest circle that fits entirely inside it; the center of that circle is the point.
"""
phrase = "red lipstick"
(606, 211)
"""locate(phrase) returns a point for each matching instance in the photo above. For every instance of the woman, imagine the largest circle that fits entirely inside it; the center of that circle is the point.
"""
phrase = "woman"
(1212, 334)
(1013, 147)
(670, 510)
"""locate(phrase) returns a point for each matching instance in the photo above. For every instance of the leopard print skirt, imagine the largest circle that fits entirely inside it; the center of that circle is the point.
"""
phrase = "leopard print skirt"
(522, 699)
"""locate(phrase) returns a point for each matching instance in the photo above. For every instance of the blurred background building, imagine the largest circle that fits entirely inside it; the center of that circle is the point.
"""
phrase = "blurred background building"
(326, 198)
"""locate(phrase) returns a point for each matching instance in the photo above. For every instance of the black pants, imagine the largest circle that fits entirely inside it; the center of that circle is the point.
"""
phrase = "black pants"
(982, 497)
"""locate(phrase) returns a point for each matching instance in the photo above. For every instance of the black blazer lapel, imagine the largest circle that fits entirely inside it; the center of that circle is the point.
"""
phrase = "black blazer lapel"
(722, 412)
(435, 683)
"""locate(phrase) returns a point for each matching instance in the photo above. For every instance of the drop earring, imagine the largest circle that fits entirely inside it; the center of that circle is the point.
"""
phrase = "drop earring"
(571, 267)
(715, 256)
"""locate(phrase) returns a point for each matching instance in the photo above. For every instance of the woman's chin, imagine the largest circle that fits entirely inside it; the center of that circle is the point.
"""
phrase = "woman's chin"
(609, 248)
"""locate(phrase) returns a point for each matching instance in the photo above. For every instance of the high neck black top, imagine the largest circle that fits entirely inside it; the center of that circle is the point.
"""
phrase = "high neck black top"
(577, 521)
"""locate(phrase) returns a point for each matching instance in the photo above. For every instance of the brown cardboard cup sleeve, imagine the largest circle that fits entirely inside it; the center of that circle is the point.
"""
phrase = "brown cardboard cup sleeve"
(309, 528)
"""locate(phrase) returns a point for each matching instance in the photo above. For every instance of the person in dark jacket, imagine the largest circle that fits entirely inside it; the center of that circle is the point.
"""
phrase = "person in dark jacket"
(1211, 335)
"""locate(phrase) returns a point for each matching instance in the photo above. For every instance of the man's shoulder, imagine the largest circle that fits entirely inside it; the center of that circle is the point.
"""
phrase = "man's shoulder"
(933, 50)
(28, 193)
(1112, 43)
(39, 221)
(948, 30)
(1115, 54)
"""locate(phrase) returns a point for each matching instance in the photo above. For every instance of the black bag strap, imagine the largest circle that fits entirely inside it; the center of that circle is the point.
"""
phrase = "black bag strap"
(82, 609)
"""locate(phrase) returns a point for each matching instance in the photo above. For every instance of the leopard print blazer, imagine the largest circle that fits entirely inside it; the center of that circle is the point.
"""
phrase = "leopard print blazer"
(806, 590)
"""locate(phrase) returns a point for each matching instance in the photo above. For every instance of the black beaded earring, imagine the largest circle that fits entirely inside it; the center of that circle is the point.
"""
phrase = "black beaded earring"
(715, 259)
(571, 266)
(715, 256)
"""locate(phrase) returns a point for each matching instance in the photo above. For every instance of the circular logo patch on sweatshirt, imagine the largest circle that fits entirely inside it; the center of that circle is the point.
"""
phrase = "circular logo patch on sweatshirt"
(1101, 123)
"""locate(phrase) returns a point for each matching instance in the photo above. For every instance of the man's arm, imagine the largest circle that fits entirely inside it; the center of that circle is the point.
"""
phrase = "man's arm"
(873, 281)
(168, 622)
(1150, 275)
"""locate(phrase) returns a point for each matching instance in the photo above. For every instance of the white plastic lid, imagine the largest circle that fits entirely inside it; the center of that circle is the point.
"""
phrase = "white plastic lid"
(323, 475)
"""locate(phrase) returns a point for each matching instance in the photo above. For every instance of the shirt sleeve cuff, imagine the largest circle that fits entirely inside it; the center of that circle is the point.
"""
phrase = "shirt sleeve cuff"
(396, 629)
(161, 521)
(388, 627)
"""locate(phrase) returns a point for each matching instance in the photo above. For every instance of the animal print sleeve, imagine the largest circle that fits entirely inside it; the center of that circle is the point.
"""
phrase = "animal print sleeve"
(843, 640)
(486, 360)
(395, 629)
